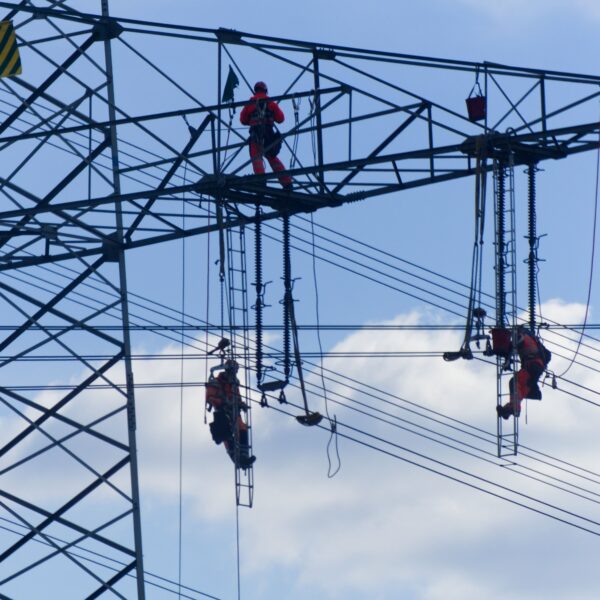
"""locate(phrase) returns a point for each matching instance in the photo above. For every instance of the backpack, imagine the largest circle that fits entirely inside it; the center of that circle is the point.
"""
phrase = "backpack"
(220, 429)
(273, 142)
(546, 354)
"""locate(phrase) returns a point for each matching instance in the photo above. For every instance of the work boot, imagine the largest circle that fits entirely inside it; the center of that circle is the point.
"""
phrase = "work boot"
(536, 393)
(507, 411)
(246, 461)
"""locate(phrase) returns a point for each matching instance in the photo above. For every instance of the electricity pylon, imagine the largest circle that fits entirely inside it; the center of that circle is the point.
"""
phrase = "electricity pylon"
(101, 146)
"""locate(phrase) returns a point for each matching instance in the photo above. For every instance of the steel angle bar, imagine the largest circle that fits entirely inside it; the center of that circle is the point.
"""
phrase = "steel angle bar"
(559, 111)
(59, 187)
(59, 103)
(66, 420)
(514, 105)
(47, 307)
(380, 147)
(113, 580)
(60, 314)
(35, 95)
(62, 440)
(53, 410)
(51, 337)
(145, 210)
(56, 443)
(64, 548)
(57, 515)
(50, 541)
(64, 113)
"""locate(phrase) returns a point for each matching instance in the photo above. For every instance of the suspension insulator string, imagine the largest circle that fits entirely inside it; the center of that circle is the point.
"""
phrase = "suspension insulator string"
(258, 307)
(287, 298)
(532, 239)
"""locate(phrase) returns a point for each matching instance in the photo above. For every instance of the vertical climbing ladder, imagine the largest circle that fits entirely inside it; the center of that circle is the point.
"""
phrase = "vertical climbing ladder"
(506, 296)
(237, 295)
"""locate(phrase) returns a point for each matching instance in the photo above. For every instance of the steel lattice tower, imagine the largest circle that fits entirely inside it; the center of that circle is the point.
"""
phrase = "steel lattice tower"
(98, 143)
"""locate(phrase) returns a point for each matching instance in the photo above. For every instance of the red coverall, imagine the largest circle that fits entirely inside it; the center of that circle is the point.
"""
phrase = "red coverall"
(261, 129)
(222, 395)
(524, 383)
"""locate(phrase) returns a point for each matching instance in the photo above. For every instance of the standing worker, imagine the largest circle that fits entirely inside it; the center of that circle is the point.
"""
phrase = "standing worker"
(261, 114)
(534, 358)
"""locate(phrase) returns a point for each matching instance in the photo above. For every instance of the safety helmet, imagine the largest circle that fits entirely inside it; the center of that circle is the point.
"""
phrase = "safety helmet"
(231, 365)
(260, 86)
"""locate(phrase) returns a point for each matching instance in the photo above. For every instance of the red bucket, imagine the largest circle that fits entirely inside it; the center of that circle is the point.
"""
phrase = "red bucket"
(476, 108)
(501, 340)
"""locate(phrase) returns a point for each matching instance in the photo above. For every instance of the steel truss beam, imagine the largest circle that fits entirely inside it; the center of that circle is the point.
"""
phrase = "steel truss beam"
(89, 173)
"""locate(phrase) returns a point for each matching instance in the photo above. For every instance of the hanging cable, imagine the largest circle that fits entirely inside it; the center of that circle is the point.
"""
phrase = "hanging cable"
(475, 314)
(219, 214)
(237, 542)
(207, 313)
(481, 481)
(296, 105)
(593, 253)
(333, 438)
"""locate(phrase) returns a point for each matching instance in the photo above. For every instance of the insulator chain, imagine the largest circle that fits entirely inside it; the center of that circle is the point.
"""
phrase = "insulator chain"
(287, 299)
(260, 290)
(533, 243)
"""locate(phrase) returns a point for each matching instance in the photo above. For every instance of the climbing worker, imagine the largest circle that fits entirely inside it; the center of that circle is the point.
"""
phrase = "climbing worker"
(534, 358)
(261, 114)
(228, 427)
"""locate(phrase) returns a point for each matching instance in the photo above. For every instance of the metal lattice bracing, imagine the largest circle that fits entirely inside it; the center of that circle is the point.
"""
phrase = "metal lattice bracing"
(96, 162)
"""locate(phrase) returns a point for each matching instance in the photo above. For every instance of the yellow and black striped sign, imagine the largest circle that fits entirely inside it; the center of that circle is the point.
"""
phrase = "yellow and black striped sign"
(10, 61)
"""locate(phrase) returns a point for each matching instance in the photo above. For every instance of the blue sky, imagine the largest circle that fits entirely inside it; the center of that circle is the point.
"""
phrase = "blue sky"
(382, 528)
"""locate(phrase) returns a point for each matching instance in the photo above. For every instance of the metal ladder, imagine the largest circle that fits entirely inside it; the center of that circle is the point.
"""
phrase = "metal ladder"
(506, 296)
(240, 344)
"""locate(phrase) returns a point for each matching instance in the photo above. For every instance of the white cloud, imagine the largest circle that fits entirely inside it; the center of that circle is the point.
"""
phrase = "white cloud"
(382, 528)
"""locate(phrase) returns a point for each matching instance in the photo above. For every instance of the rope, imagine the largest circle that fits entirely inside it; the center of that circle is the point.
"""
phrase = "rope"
(589, 292)
(294, 149)
(332, 423)
(206, 320)
(237, 540)
(221, 266)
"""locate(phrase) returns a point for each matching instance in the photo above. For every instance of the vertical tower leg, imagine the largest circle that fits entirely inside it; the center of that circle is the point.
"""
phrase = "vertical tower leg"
(130, 390)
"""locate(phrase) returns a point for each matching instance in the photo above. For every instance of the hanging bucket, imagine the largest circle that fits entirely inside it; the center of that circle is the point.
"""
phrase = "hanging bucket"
(476, 108)
(476, 101)
(501, 341)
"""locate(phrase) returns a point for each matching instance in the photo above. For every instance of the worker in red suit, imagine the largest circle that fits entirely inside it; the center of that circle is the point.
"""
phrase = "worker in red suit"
(534, 358)
(228, 427)
(261, 114)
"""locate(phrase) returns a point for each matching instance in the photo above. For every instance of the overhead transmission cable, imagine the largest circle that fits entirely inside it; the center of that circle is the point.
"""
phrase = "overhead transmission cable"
(480, 481)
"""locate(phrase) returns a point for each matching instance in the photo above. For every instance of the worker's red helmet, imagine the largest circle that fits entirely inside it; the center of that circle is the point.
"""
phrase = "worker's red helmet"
(260, 86)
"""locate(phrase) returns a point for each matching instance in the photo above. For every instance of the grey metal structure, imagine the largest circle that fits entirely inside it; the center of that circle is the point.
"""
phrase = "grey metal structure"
(96, 162)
